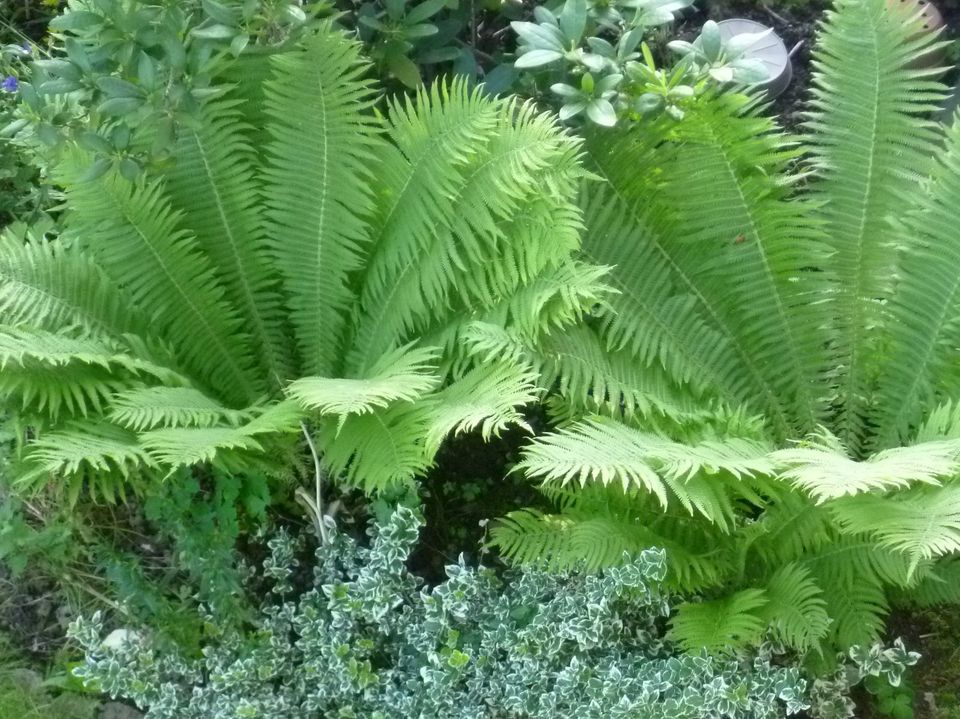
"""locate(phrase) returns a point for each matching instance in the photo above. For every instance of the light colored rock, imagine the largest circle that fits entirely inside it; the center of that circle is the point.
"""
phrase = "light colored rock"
(116, 710)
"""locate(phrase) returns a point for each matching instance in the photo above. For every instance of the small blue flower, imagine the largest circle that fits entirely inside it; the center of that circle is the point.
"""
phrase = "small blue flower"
(10, 84)
(27, 49)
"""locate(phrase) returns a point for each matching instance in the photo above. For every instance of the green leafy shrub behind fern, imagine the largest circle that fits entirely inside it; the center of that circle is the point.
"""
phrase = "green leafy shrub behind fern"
(772, 396)
(319, 270)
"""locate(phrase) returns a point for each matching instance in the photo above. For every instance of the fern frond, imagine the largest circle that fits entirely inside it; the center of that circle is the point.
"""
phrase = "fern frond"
(136, 238)
(924, 329)
(213, 182)
(593, 377)
(174, 447)
(596, 527)
(379, 449)
(488, 397)
(412, 277)
(51, 372)
(404, 374)
(872, 141)
(95, 453)
(316, 184)
(941, 423)
(941, 585)
(53, 284)
(151, 407)
(796, 610)
(720, 625)
(922, 523)
(824, 470)
(857, 607)
(605, 451)
(791, 528)
(696, 221)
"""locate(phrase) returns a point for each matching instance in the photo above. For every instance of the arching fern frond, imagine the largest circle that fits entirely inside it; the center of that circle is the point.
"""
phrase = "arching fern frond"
(605, 451)
(53, 284)
(174, 447)
(404, 374)
(147, 408)
(96, 453)
(135, 235)
(941, 585)
(598, 528)
(487, 397)
(922, 523)
(824, 470)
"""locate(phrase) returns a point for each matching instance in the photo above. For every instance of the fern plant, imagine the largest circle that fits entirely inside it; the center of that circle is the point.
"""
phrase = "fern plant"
(313, 287)
(771, 395)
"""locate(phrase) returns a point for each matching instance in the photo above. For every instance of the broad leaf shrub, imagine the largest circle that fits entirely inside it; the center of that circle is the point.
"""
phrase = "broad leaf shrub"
(772, 395)
(367, 639)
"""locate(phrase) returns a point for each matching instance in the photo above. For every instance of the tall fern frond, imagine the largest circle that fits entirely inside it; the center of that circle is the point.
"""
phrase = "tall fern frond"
(213, 182)
(136, 237)
(318, 196)
(872, 140)
(924, 329)
(411, 277)
(684, 214)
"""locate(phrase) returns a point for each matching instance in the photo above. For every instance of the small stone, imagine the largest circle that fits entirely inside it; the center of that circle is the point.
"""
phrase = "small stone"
(116, 710)
(26, 678)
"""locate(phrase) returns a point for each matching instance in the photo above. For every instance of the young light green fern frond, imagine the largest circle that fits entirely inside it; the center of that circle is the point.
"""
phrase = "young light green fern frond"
(603, 450)
(922, 523)
(488, 397)
(405, 374)
(824, 470)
